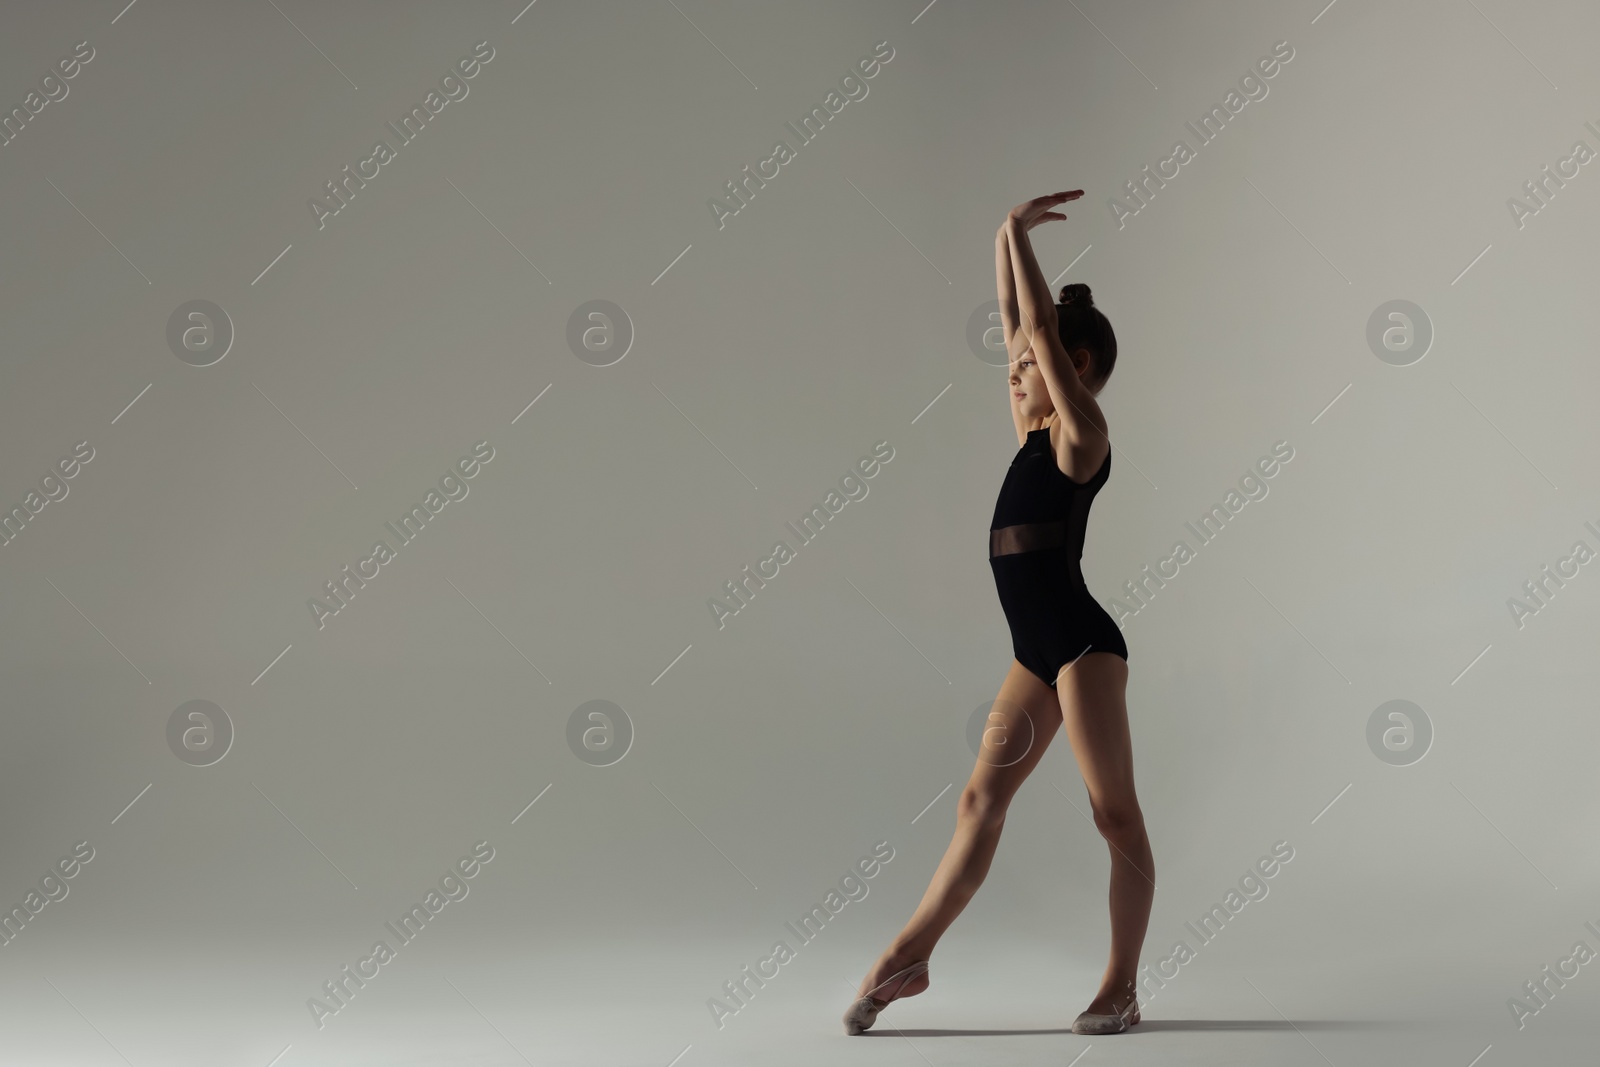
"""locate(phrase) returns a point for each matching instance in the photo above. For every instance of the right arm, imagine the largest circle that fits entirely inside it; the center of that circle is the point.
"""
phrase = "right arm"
(1083, 425)
(1006, 282)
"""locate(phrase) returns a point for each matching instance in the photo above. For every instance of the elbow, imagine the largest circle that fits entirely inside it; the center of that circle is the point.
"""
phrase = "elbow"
(1041, 312)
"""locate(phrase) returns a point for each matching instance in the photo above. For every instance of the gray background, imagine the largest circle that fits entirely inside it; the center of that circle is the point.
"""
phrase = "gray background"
(831, 712)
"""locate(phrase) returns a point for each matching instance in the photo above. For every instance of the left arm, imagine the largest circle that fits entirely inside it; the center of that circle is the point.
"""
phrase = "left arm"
(1083, 424)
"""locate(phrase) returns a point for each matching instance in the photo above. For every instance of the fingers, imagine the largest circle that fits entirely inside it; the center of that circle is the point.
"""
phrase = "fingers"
(1050, 198)
(1031, 209)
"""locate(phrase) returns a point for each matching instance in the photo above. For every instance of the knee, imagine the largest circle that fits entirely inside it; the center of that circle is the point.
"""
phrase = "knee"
(1119, 821)
(983, 806)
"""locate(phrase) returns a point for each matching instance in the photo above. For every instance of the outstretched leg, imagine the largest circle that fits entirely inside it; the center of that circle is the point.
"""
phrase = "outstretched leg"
(1025, 716)
(1092, 691)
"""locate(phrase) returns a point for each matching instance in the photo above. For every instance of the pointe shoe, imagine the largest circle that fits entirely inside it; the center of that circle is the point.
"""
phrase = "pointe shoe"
(1092, 1023)
(864, 1012)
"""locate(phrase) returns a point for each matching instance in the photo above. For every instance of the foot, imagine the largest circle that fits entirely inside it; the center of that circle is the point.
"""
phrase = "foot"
(1113, 1010)
(895, 975)
(891, 963)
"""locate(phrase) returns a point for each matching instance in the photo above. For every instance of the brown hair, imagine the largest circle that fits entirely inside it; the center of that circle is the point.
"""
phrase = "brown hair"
(1082, 325)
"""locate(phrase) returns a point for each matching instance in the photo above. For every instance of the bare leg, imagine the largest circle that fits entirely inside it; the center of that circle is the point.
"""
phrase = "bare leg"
(1092, 692)
(1025, 716)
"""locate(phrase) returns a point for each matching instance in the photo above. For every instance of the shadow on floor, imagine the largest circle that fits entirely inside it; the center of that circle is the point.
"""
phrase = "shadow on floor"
(1154, 1025)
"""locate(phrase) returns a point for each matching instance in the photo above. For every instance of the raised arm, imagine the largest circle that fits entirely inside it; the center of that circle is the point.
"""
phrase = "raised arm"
(1082, 423)
(1008, 324)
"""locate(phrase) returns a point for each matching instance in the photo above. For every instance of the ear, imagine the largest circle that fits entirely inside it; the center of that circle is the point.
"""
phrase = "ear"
(1081, 361)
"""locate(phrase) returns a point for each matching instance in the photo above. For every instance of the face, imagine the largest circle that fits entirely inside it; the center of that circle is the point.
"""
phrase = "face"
(1028, 390)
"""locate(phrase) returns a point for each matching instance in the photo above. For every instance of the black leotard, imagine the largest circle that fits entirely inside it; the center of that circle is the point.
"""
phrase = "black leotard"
(1035, 544)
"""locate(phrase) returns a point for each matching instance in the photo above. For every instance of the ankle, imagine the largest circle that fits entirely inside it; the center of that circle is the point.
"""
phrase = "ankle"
(904, 953)
(1118, 992)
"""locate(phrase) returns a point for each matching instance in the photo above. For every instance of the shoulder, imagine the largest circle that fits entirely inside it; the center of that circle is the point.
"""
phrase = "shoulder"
(1080, 461)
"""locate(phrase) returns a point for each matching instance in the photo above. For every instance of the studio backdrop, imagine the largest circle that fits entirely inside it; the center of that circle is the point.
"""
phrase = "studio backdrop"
(494, 504)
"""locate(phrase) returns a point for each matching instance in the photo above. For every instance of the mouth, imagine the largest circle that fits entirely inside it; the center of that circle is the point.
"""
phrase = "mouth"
(1019, 396)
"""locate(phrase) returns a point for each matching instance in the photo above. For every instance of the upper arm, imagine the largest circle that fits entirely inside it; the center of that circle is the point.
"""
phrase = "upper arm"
(1083, 424)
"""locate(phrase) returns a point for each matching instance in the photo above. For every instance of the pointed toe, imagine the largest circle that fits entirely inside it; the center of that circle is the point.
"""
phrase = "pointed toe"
(864, 1012)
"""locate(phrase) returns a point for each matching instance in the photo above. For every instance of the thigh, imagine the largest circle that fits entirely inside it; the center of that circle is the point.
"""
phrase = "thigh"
(1022, 720)
(1092, 691)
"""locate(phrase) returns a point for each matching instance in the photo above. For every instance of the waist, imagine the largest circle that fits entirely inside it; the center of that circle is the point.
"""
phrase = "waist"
(1027, 537)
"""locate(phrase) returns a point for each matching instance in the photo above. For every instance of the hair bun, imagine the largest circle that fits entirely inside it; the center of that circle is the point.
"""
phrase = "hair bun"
(1076, 295)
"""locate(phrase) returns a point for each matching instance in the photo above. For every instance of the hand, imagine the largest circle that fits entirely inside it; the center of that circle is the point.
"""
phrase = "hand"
(1037, 210)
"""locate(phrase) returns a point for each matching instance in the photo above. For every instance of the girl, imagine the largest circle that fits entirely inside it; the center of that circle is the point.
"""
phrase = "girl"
(1071, 664)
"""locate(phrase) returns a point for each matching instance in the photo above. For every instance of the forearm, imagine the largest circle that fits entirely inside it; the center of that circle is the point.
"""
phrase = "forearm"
(1036, 307)
(1006, 284)
(1008, 325)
